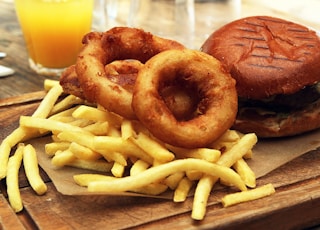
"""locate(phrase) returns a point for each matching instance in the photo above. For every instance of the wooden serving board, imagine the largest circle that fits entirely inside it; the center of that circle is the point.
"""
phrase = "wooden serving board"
(296, 203)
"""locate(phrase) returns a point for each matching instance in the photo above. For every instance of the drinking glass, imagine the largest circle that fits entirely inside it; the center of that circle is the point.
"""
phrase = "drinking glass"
(53, 31)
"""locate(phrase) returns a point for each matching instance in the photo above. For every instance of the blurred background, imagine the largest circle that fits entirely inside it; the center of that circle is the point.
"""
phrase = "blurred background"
(110, 13)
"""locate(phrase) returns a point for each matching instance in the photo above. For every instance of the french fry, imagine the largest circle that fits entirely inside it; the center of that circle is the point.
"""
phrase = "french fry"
(30, 163)
(138, 167)
(194, 175)
(253, 194)
(49, 125)
(65, 119)
(132, 149)
(98, 128)
(245, 172)
(18, 135)
(127, 129)
(82, 138)
(48, 102)
(96, 114)
(117, 144)
(117, 169)
(248, 155)
(182, 191)
(113, 132)
(114, 156)
(156, 173)
(65, 104)
(151, 189)
(49, 84)
(206, 183)
(83, 152)
(84, 179)
(65, 113)
(97, 165)
(90, 113)
(13, 191)
(229, 136)
(238, 150)
(226, 140)
(108, 143)
(210, 155)
(173, 180)
(153, 148)
(21, 134)
(51, 148)
(63, 158)
(80, 123)
(201, 196)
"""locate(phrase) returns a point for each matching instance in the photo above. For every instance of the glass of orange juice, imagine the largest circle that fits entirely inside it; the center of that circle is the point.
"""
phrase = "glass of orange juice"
(53, 31)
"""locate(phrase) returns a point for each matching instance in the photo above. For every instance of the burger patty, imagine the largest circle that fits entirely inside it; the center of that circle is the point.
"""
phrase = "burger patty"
(285, 102)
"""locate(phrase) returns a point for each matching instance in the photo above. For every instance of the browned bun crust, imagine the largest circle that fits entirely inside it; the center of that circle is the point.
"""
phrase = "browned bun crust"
(275, 125)
(267, 55)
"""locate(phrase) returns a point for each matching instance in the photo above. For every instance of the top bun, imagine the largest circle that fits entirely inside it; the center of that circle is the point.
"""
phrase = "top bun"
(266, 55)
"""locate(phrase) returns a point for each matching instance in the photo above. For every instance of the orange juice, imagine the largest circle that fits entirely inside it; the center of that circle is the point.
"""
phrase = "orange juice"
(53, 29)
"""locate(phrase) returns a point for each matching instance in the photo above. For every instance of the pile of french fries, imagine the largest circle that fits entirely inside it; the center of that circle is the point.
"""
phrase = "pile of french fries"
(124, 156)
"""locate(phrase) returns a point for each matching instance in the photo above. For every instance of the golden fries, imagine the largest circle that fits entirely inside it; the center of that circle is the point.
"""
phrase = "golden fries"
(30, 163)
(138, 167)
(161, 171)
(21, 133)
(85, 179)
(66, 103)
(28, 154)
(153, 148)
(253, 194)
(98, 165)
(89, 137)
(228, 158)
(201, 196)
(49, 125)
(182, 191)
(173, 180)
(13, 191)
(245, 172)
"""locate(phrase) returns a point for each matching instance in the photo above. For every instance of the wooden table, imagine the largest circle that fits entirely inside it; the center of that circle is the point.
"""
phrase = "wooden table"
(295, 205)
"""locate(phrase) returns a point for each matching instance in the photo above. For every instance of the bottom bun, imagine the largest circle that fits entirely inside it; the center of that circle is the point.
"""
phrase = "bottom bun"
(268, 124)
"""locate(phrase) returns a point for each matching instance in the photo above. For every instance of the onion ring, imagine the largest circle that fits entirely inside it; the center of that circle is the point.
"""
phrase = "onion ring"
(119, 43)
(122, 72)
(216, 109)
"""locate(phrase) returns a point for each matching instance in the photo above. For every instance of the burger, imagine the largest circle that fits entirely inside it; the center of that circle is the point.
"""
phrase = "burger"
(276, 65)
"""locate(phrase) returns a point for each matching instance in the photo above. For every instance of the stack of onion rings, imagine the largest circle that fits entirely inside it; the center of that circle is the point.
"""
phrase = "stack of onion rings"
(214, 87)
(183, 97)
(100, 49)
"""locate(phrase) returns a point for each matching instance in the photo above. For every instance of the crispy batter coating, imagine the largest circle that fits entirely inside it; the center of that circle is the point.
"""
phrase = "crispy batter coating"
(119, 43)
(215, 88)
